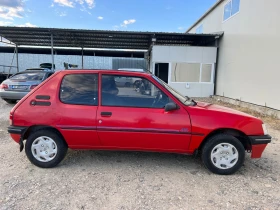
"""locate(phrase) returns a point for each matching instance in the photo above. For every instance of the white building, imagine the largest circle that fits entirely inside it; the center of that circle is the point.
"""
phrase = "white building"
(188, 69)
(248, 54)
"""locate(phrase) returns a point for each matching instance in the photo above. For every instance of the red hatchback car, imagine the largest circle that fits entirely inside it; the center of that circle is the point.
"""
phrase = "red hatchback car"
(125, 110)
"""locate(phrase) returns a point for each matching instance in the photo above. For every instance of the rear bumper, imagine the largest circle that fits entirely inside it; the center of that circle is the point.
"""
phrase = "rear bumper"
(258, 145)
(16, 129)
(12, 95)
(16, 132)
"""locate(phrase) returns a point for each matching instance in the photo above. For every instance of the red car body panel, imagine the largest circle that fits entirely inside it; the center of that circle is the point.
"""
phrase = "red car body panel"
(152, 129)
(206, 119)
(257, 150)
(147, 129)
(15, 137)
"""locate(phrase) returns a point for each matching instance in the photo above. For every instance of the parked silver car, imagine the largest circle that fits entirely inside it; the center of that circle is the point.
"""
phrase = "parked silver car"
(19, 84)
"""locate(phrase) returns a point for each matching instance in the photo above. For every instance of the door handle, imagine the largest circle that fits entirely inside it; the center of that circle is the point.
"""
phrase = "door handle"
(106, 114)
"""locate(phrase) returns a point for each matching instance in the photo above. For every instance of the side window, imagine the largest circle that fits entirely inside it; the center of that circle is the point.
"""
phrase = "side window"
(81, 89)
(131, 92)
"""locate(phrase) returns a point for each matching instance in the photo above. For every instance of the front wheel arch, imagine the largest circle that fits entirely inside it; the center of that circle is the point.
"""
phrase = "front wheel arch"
(242, 137)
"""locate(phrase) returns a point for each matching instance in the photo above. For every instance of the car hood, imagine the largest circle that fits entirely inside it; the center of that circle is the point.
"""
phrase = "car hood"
(218, 108)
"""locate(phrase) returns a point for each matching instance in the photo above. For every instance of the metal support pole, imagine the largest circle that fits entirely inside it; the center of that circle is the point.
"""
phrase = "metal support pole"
(17, 57)
(216, 67)
(52, 51)
(82, 58)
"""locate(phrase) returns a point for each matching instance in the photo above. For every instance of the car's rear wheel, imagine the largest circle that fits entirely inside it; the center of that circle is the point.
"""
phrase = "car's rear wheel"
(223, 154)
(10, 101)
(45, 148)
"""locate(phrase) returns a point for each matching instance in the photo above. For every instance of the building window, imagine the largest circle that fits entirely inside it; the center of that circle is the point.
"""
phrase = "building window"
(231, 8)
(235, 6)
(185, 72)
(191, 72)
(199, 29)
(227, 10)
(206, 73)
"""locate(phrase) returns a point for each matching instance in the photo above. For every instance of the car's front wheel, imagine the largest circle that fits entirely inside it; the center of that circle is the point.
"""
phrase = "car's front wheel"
(223, 154)
(45, 148)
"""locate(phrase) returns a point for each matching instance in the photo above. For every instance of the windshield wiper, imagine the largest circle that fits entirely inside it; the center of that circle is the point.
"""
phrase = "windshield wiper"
(187, 100)
(194, 102)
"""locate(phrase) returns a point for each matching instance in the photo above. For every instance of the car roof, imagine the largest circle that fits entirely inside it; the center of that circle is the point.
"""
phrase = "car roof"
(130, 69)
(39, 69)
(126, 72)
(32, 71)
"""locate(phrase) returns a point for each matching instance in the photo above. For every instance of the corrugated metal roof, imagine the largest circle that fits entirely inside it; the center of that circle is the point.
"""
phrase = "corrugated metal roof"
(101, 38)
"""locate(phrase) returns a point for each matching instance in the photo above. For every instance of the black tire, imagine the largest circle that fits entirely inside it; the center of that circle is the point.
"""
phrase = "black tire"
(212, 143)
(10, 101)
(60, 145)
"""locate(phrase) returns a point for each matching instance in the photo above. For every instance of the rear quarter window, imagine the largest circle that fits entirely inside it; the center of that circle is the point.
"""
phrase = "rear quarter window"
(79, 89)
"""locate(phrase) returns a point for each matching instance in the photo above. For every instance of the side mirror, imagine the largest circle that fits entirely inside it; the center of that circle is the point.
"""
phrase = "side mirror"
(170, 107)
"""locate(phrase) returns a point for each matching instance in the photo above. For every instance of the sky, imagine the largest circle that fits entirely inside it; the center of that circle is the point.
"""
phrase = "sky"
(125, 15)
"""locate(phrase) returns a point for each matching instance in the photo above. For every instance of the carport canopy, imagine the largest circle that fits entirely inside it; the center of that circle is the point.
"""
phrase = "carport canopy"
(101, 38)
(81, 38)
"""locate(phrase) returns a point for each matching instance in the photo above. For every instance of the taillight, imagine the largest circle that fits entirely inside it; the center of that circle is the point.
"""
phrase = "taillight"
(4, 86)
(11, 119)
(33, 86)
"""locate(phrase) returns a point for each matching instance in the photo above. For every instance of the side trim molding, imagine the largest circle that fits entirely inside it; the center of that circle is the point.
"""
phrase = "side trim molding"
(127, 129)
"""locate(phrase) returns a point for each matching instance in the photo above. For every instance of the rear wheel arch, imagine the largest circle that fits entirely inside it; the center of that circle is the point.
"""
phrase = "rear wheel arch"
(35, 128)
(242, 137)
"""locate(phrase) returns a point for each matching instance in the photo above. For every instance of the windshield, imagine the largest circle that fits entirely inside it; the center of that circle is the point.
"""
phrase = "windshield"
(29, 76)
(184, 99)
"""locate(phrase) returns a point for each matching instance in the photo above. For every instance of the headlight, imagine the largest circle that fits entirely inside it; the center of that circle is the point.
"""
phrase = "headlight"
(264, 129)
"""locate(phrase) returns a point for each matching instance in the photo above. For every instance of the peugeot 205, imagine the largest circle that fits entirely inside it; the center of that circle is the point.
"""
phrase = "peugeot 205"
(86, 109)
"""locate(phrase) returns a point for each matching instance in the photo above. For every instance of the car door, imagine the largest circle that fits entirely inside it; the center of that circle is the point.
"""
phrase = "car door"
(134, 118)
(77, 109)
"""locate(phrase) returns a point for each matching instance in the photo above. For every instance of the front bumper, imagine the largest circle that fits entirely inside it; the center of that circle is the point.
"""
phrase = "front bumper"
(14, 95)
(258, 145)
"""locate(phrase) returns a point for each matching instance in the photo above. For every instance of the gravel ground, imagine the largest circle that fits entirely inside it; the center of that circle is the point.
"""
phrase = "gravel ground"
(134, 180)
